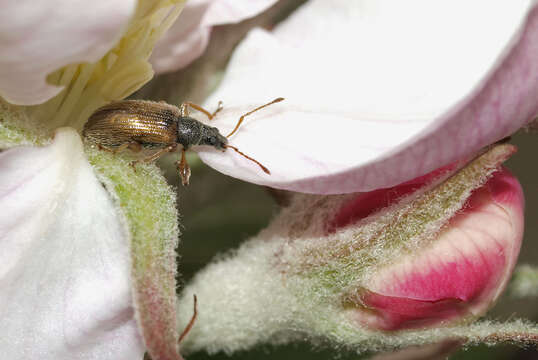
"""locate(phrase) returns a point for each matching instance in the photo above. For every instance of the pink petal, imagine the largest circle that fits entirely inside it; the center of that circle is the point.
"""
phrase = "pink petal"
(368, 203)
(462, 273)
(377, 93)
(37, 38)
(64, 259)
(187, 39)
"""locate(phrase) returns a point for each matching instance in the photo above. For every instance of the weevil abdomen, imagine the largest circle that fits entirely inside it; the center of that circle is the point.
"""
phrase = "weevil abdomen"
(151, 124)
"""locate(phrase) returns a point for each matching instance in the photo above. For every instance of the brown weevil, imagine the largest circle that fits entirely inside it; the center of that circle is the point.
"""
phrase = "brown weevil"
(142, 124)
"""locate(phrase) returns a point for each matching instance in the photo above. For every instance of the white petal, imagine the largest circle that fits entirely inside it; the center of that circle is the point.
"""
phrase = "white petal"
(37, 38)
(64, 259)
(377, 92)
(188, 37)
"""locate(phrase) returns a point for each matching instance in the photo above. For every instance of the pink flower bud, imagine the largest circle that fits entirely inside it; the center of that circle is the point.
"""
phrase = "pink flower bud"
(457, 276)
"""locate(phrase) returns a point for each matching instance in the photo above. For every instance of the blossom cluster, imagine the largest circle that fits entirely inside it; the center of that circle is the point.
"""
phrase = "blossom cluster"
(401, 226)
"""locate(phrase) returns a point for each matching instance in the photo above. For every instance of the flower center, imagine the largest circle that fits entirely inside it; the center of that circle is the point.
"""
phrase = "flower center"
(122, 71)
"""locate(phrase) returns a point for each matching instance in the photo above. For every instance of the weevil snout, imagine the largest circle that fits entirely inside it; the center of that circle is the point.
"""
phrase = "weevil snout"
(212, 137)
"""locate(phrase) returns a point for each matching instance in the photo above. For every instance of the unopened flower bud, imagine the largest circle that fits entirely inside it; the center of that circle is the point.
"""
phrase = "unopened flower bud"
(460, 274)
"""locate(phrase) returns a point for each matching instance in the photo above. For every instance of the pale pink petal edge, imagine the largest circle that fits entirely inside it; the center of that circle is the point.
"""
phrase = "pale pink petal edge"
(43, 37)
(504, 103)
(187, 38)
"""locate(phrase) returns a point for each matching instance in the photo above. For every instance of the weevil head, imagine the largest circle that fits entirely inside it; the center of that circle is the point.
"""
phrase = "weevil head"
(192, 132)
(212, 137)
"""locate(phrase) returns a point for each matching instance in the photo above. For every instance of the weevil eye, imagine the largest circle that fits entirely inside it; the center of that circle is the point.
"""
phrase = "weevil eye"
(211, 140)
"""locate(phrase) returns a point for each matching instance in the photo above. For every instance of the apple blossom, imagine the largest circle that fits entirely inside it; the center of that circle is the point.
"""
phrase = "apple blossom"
(438, 255)
(186, 40)
(77, 56)
(377, 93)
(65, 258)
(462, 274)
(39, 39)
(110, 74)
(358, 117)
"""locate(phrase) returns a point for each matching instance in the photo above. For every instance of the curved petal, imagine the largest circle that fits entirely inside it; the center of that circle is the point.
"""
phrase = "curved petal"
(188, 37)
(377, 93)
(64, 275)
(38, 38)
(354, 284)
(462, 273)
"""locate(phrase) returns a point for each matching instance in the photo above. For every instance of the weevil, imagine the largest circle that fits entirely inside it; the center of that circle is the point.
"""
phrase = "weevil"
(141, 124)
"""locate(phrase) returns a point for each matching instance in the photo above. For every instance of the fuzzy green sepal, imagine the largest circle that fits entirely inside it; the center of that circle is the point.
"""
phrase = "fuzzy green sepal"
(148, 204)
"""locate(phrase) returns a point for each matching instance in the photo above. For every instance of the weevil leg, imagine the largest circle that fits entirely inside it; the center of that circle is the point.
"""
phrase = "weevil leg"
(184, 109)
(152, 157)
(185, 112)
(191, 322)
(184, 169)
(107, 149)
(120, 148)
(160, 153)
(133, 146)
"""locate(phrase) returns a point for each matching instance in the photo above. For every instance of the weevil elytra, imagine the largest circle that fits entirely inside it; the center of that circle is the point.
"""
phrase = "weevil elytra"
(142, 124)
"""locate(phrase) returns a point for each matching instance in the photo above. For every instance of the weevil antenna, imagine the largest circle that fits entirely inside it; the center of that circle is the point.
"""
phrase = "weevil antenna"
(266, 170)
(250, 112)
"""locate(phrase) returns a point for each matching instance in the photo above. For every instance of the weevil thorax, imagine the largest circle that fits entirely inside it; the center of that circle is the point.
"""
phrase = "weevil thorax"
(192, 132)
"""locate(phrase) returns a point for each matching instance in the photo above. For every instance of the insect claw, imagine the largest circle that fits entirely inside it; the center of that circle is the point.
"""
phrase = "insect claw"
(184, 169)
(133, 165)
(185, 175)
